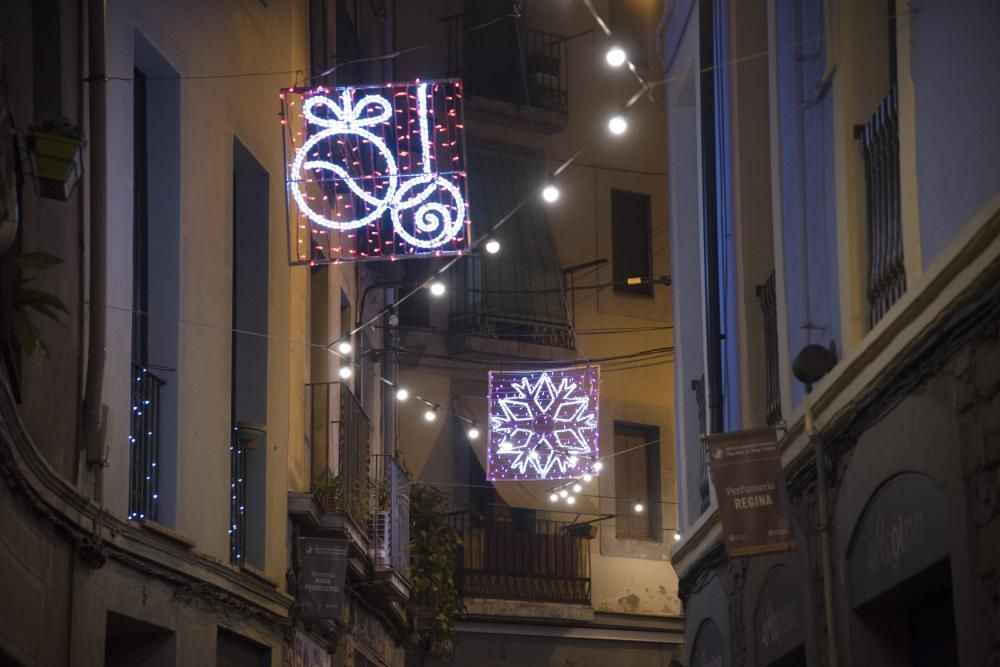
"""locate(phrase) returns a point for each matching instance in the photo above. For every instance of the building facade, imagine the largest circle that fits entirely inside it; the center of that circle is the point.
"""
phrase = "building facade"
(189, 422)
(834, 172)
(537, 89)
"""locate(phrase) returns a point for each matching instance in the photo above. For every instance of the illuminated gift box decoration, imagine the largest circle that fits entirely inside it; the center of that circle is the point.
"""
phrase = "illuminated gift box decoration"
(543, 424)
(375, 172)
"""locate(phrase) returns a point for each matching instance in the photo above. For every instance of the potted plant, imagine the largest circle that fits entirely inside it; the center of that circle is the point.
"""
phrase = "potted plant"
(326, 490)
(28, 300)
(249, 434)
(56, 149)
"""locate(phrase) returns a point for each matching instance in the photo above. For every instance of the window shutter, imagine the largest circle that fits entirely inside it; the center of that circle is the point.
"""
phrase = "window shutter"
(636, 465)
(630, 241)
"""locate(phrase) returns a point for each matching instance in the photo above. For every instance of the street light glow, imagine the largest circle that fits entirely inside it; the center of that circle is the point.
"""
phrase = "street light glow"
(617, 124)
(615, 56)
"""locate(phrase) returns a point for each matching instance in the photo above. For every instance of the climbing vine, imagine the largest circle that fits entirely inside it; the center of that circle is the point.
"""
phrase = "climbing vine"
(434, 543)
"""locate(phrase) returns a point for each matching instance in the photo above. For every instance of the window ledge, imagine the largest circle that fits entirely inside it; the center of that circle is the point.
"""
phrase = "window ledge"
(169, 533)
(258, 574)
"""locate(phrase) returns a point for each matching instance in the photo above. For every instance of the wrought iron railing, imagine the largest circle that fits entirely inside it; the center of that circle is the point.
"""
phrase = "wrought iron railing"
(487, 305)
(538, 559)
(698, 387)
(389, 527)
(767, 294)
(144, 445)
(338, 434)
(880, 144)
(490, 63)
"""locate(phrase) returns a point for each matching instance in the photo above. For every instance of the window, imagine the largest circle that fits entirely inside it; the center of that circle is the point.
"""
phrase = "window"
(637, 481)
(248, 449)
(630, 242)
(155, 287)
(233, 650)
(628, 19)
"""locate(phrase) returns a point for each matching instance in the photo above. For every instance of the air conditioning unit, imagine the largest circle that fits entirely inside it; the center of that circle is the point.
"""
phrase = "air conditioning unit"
(380, 533)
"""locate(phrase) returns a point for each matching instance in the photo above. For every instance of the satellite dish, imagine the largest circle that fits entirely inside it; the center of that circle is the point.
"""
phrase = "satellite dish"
(812, 363)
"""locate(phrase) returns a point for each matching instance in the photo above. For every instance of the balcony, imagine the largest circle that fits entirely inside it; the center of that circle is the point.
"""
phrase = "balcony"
(489, 61)
(389, 527)
(536, 560)
(339, 502)
(512, 299)
(879, 139)
(144, 445)
(767, 295)
(704, 484)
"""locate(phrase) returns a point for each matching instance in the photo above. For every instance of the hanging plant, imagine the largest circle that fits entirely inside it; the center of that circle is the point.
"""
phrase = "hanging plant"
(434, 543)
(28, 301)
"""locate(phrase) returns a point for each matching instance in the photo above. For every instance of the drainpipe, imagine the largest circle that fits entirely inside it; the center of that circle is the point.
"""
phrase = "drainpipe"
(826, 560)
(390, 320)
(809, 366)
(93, 436)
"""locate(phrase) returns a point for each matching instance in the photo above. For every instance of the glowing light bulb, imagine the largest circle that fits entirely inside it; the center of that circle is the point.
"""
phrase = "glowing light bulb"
(572, 460)
(493, 246)
(598, 466)
(577, 488)
(570, 500)
(402, 394)
(554, 497)
(617, 124)
(437, 288)
(345, 372)
(677, 537)
(430, 415)
(587, 477)
(563, 493)
(473, 433)
(638, 507)
(615, 56)
(344, 346)
(550, 193)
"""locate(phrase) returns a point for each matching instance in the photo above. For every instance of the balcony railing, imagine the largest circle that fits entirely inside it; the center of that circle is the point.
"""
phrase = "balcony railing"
(772, 389)
(144, 445)
(880, 143)
(538, 560)
(389, 529)
(698, 387)
(489, 61)
(338, 428)
(489, 304)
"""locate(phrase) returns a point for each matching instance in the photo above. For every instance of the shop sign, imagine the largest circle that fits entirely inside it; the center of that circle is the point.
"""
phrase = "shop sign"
(707, 648)
(753, 504)
(903, 532)
(321, 577)
(778, 618)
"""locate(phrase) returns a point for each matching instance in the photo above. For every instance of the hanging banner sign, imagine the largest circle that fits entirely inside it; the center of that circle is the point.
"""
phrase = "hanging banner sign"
(322, 576)
(750, 487)
(543, 424)
(375, 172)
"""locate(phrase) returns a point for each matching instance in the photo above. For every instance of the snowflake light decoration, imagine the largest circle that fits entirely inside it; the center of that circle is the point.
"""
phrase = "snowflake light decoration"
(375, 172)
(543, 424)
